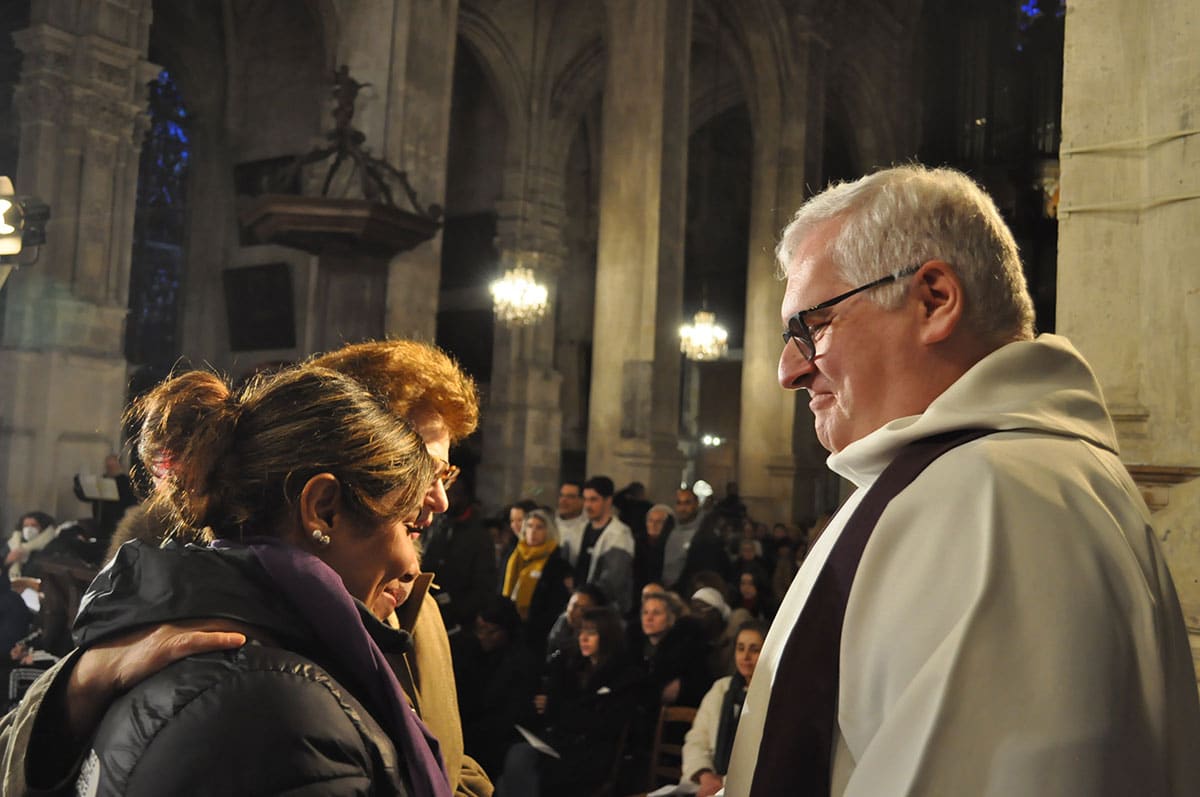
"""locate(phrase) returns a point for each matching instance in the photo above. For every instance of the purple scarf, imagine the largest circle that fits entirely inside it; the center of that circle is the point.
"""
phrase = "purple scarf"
(321, 598)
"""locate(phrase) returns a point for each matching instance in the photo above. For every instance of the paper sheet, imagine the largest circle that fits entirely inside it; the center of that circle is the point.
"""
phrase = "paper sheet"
(536, 743)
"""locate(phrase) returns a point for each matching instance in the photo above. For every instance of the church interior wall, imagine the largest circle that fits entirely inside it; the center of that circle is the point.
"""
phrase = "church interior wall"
(576, 288)
(786, 95)
(277, 80)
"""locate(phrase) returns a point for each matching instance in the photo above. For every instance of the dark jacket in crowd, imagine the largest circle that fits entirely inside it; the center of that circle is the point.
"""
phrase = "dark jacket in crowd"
(705, 554)
(648, 557)
(548, 602)
(681, 653)
(15, 620)
(274, 717)
(459, 553)
(587, 711)
(495, 692)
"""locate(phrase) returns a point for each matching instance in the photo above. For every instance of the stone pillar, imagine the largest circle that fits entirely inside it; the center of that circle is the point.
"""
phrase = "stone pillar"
(633, 427)
(407, 53)
(81, 100)
(522, 422)
(781, 471)
(1128, 286)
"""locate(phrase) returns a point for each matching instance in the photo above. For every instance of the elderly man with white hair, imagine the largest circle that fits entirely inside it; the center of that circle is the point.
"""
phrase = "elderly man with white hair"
(990, 612)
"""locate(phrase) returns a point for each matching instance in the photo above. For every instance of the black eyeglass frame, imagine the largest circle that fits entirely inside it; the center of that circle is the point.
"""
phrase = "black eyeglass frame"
(798, 330)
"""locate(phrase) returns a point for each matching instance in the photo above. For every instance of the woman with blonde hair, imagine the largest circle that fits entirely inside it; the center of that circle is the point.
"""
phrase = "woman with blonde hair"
(310, 486)
(535, 577)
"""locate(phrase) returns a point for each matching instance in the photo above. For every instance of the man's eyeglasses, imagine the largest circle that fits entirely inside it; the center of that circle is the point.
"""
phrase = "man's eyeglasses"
(447, 474)
(799, 332)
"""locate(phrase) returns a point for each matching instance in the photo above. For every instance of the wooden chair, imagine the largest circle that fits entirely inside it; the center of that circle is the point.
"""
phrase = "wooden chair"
(63, 583)
(608, 787)
(666, 757)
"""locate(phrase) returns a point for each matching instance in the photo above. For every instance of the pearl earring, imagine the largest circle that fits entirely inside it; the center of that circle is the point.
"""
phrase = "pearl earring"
(321, 538)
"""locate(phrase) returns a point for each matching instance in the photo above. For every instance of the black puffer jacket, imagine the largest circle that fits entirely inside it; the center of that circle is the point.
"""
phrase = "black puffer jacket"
(270, 718)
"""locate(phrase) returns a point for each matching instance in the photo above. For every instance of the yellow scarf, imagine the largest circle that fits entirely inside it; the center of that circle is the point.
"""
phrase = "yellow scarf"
(523, 571)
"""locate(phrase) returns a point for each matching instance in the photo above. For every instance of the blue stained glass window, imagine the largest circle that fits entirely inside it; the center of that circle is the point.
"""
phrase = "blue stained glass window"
(152, 329)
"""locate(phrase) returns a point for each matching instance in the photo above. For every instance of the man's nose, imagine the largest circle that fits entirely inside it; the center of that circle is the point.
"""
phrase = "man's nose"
(794, 367)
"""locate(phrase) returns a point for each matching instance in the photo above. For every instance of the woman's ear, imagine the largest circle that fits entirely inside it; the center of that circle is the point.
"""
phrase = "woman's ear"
(320, 501)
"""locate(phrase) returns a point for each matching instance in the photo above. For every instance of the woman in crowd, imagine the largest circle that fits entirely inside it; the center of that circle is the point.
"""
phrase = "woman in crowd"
(707, 745)
(309, 485)
(649, 547)
(754, 595)
(674, 653)
(535, 577)
(564, 636)
(34, 531)
(584, 710)
(509, 533)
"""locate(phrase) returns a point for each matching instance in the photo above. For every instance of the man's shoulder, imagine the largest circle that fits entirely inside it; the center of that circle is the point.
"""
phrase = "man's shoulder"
(620, 534)
(1053, 492)
(1031, 460)
(571, 526)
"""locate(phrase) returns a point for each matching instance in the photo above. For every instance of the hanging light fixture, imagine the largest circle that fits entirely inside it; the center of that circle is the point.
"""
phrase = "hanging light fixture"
(517, 297)
(703, 339)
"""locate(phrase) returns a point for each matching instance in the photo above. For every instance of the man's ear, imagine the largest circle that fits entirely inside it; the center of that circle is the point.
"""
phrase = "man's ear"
(939, 292)
(320, 501)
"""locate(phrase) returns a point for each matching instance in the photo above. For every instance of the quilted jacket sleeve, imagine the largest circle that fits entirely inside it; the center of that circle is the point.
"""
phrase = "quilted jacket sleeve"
(253, 721)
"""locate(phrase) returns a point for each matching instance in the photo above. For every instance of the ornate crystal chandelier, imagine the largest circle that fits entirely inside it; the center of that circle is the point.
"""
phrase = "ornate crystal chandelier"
(517, 297)
(704, 338)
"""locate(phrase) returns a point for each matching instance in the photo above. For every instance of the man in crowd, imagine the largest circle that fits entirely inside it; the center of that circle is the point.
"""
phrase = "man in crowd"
(459, 551)
(570, 518)
(687, 522)
(694, 546)
(1012, 627)
(605, 555)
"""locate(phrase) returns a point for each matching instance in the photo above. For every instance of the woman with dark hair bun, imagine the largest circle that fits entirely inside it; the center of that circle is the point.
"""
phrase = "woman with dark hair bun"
(309, 485)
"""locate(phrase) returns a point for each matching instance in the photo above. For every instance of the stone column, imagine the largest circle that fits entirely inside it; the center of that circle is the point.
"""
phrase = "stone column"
(522, 422)
(81, 101)
(781, 472)
(1128, 286)
(407, 53)
(633, 427)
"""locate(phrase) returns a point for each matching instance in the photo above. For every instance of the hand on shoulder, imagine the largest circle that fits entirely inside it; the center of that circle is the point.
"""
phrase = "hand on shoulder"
(111, 668)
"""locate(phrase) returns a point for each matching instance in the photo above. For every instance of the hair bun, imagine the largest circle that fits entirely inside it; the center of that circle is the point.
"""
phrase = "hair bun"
(187, 424)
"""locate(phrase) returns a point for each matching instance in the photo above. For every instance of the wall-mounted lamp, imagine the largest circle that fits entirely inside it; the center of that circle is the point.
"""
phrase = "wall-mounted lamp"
(22, 220)
(22, 227)
(12, 219)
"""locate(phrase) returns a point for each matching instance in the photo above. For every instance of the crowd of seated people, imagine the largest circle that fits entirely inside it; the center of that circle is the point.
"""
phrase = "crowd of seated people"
(32, 636)
(678, 584)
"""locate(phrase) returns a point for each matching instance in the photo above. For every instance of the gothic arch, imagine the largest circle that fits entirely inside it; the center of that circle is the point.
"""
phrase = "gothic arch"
(854, 103)
(572, 91)
(502, 68)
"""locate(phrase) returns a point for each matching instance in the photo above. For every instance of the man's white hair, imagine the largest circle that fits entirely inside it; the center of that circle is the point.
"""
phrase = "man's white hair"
(907, 215)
